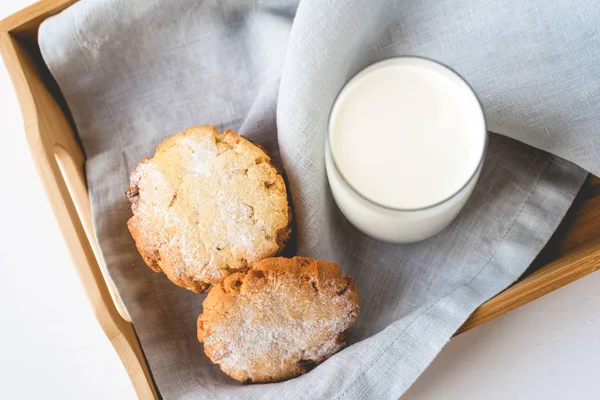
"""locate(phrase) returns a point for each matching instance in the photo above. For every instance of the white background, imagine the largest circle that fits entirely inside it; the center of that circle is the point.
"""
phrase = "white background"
(52, 347)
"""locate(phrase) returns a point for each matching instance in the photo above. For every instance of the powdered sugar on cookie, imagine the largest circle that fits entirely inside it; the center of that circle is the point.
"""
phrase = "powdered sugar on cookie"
(278, 319)
(206, 205)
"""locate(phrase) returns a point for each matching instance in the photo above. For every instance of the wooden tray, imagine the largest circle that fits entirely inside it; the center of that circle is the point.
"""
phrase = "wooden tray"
(574, 251)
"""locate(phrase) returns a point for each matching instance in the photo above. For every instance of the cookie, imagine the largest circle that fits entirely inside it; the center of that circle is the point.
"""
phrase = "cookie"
(278, 319)
(207, 205)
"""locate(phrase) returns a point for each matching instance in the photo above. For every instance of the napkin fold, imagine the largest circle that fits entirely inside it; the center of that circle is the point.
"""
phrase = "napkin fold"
(134, 72)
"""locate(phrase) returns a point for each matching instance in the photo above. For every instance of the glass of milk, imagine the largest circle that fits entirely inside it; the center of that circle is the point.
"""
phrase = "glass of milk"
(405, 146)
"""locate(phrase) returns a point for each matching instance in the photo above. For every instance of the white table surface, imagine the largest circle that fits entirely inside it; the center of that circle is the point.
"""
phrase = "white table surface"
(52, 347)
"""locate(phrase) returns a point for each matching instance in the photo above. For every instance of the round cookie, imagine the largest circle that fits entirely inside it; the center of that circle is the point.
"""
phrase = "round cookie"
(206, 205)
(278, 319)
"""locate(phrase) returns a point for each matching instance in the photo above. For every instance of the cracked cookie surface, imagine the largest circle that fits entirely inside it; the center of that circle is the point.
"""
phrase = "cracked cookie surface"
(279, 319)
(207, 205)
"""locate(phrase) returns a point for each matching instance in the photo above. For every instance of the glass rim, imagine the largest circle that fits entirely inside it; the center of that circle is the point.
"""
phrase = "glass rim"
(329, 148)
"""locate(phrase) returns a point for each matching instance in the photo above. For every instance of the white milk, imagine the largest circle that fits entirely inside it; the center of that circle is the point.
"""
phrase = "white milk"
(407, 136)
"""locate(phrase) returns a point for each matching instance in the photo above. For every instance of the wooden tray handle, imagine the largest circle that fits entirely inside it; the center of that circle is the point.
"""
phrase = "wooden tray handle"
(72, 175)
(59, 162)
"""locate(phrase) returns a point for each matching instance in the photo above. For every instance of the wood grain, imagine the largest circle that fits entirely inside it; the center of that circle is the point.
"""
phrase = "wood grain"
(580, 262)
(50, 139)
(573, 252)
(25, 23)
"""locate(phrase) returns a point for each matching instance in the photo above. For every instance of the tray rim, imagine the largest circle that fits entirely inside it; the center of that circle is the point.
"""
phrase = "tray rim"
(47, 132)
(41, 117)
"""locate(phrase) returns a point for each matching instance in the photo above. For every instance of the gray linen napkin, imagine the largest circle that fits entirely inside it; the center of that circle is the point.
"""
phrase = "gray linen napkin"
(135, 71)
